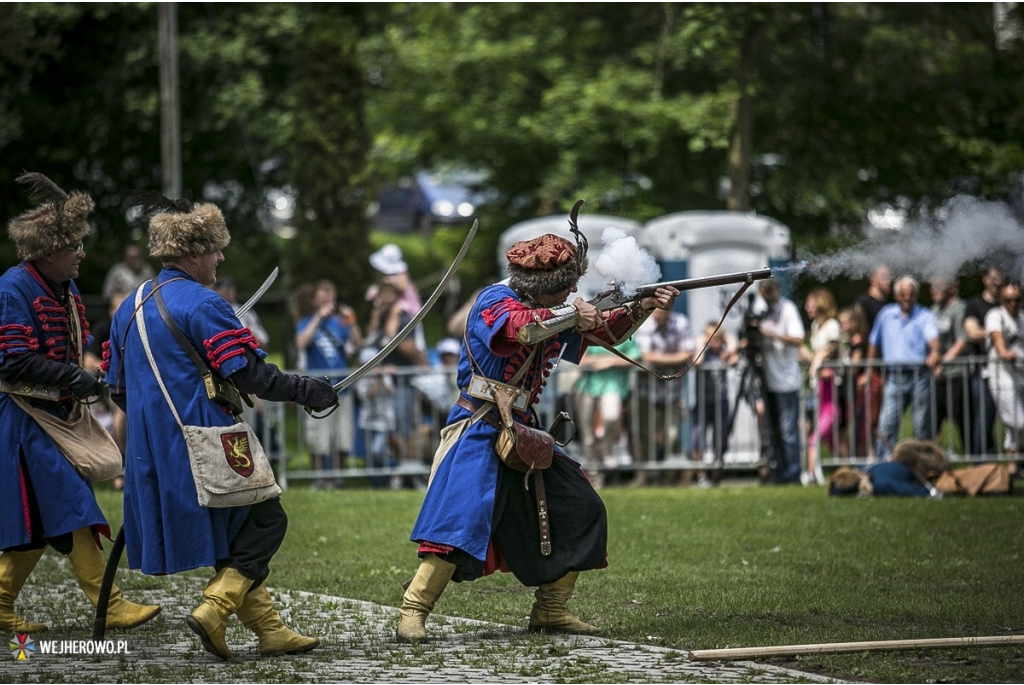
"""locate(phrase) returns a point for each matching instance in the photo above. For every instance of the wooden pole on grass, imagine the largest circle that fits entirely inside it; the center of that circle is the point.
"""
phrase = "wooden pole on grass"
(853, 647)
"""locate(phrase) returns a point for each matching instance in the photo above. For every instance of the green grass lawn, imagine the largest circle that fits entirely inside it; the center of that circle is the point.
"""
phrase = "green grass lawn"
(735, 566)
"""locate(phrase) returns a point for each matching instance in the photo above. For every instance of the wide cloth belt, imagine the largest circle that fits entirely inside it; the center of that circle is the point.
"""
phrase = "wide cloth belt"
(543, 518)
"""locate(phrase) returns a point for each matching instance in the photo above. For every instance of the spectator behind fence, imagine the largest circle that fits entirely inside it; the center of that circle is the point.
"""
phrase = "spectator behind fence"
(877, 295)
(601, 395)
(711, 399)
(377, 419)
(1005, 326)
(388, 262)
(906, 334)
(326, 335)
(783, 332)
(860, 402)
(386, 320)
(823, 346)
(128, 274)
(983, 408)
(949, 312)
(666, 346)
(438, 391)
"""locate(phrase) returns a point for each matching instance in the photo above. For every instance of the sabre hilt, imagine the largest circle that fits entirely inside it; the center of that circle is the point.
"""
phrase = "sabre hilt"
(327, 412)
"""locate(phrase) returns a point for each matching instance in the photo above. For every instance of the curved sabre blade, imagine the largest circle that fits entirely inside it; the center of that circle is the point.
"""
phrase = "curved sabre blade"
(387, 349)
(244, 309)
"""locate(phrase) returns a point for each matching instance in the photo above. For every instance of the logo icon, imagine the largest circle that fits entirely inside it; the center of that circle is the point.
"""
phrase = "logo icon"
(237, 453)
(21, 647)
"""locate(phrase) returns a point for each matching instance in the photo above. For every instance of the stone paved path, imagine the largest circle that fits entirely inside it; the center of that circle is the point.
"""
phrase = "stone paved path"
(358, 646)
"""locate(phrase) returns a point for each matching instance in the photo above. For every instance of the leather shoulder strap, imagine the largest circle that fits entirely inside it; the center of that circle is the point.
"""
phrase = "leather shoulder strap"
(201, 366)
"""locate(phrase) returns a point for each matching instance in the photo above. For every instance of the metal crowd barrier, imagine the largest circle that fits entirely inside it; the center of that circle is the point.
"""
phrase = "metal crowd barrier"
(658, 426)
(706, 421)
(957, 410)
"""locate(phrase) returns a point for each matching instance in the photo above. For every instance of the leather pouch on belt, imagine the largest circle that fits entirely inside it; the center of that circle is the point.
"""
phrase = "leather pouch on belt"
(520, 447)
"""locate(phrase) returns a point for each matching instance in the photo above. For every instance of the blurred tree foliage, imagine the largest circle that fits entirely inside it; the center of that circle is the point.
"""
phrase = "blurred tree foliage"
(633, 106)
(853, 103)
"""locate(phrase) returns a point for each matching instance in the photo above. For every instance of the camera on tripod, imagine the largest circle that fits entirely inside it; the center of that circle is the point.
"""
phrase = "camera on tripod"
(750, 335)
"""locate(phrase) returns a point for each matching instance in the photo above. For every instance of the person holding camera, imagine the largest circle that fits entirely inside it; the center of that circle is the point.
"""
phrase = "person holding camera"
(326, 336)
(782, 335)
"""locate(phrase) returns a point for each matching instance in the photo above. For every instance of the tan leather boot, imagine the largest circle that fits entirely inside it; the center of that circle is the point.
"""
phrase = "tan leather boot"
(89, 565)
(258, 615)
(15, 568)
(427, 585)
(549, 613)
(222, 597)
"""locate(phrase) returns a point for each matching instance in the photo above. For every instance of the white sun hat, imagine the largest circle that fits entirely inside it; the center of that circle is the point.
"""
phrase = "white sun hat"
(388, 260)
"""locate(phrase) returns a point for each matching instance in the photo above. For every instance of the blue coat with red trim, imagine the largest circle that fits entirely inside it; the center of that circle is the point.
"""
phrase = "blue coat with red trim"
(459, 504)
(33, 321)
(166, 530)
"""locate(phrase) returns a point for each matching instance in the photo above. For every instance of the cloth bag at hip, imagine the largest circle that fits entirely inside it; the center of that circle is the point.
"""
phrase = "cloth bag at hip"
(229, 466)
(86, 444)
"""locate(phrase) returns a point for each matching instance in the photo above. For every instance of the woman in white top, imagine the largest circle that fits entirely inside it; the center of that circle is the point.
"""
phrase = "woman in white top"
(1004, 326)
(825, 335)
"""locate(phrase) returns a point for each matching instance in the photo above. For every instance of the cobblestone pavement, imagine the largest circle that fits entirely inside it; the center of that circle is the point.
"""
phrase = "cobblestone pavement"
(358, 646)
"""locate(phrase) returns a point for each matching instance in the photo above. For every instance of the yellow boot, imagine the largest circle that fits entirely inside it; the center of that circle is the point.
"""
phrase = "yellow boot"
(222, 597)
(89, 565)
(427, 585)
(258, 615)
(15, 568)
(549, 613)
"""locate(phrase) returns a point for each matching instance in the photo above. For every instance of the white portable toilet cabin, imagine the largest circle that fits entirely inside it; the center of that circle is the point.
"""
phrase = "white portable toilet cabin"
(696, 244)
(591, 225)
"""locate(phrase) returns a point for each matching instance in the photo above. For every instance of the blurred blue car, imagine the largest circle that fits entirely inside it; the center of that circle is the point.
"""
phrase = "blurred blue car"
(428, 198)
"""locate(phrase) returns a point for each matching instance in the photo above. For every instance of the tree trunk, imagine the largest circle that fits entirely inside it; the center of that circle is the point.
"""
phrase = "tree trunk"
(741, 139)
(329, 156)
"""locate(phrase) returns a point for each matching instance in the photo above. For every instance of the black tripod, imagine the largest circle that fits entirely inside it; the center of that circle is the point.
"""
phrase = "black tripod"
(751, 389)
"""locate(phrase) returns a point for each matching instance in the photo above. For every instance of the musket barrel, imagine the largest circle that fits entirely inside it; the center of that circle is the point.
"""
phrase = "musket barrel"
(711, 281)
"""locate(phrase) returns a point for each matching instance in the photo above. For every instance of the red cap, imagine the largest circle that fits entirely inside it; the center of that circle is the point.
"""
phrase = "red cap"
(546, 253)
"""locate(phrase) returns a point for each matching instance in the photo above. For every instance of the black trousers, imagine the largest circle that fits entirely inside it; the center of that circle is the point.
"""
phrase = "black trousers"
(949, 405)
(579, 527)
(257, 541)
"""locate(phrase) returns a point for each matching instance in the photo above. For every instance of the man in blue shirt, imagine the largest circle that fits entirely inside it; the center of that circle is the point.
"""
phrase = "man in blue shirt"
(908, 336)
(326, 336)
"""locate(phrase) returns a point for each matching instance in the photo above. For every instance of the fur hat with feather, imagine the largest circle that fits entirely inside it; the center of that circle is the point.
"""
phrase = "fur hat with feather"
(181, 227)
(60, 220)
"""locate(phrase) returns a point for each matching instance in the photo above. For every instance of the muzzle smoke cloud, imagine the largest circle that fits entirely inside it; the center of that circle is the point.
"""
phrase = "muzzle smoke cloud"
(966, 235)
(622, 260)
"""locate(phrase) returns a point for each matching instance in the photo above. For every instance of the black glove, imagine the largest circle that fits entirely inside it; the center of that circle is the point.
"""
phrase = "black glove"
(81, 383)
(316, 394)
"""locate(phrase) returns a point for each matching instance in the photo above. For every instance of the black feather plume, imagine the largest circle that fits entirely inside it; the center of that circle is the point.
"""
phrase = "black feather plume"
(42, 189)
(582, 244)
(152, 202)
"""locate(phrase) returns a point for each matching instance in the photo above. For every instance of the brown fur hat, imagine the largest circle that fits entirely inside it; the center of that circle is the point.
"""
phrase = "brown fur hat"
(59, 221)
(180, 227)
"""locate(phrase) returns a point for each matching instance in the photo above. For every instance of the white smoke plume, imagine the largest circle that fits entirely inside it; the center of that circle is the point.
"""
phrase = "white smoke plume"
(621, 260)
(965, 235)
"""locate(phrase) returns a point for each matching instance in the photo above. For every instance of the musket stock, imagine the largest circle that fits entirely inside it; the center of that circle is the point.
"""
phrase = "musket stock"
(615, 297)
